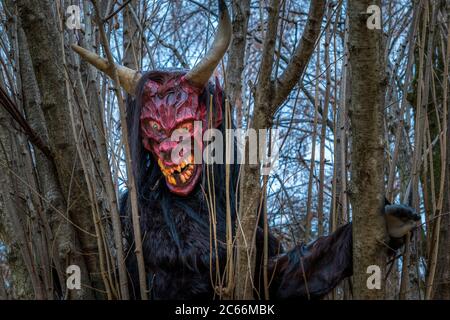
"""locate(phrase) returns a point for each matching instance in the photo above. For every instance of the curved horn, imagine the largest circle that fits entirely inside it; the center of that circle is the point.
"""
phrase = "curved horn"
(201, 73)
(128, 77)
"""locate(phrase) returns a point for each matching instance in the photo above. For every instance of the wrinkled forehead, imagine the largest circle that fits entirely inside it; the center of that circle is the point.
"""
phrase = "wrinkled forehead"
(171, 100)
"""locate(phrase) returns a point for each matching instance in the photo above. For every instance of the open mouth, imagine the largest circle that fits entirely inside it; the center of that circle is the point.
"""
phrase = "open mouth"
(179, 175)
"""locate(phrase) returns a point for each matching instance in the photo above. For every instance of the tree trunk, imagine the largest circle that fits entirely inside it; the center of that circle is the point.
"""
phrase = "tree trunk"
(23, 279)
(131, 52)
(46, 52)
(442, 282)
(366, 115)
(62, 230)
(236, 55)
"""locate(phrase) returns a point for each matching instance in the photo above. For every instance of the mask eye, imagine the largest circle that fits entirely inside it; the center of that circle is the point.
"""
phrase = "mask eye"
(186, 127)
(155, 126)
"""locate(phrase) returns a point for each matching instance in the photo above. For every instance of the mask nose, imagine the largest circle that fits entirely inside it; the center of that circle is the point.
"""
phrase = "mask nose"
(165, 150)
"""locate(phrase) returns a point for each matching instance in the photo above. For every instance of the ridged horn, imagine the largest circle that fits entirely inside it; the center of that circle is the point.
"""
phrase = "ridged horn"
(128, 77)
(201, 73)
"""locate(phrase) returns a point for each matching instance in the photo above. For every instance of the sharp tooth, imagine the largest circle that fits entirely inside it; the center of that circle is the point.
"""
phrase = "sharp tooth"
(188, 172)
(172, 180)
(160, 163)
(183, 178)
(186, 176)
(183, 164)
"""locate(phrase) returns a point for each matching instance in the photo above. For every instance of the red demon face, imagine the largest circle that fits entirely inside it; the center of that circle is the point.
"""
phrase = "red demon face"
(169, 109)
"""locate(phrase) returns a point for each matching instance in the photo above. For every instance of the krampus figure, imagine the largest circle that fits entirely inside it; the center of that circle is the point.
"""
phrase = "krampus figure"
(172, 195)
